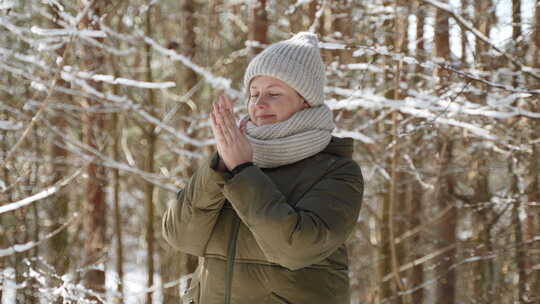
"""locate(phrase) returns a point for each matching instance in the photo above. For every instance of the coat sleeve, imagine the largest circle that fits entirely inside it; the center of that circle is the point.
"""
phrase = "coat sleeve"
(296, 237)
(187, 225)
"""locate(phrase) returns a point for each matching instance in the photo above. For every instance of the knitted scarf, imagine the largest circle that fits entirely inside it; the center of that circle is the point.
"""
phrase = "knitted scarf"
(304, 134)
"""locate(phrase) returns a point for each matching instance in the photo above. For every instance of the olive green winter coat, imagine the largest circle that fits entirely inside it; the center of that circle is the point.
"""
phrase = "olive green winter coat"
(270, 235)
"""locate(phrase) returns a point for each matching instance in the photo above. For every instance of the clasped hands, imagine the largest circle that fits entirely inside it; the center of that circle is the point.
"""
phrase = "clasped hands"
(231, 142)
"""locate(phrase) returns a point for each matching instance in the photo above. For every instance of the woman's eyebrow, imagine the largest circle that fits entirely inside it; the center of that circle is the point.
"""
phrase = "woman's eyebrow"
(272, 85)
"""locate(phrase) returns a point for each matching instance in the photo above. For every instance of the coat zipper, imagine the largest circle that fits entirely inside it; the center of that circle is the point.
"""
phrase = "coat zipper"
(231, 252)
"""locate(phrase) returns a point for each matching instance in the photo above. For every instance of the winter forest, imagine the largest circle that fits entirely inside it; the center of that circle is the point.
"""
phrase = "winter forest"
(104, 110)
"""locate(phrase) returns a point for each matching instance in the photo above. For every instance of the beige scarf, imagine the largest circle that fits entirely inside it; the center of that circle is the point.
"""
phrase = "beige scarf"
(304, 134)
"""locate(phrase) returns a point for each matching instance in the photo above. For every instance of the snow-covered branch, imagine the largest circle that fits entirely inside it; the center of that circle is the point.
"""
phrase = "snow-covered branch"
(90, 154)
(18, 248)
(40, 195)
(467, 25)
(354, 135)
(428, 106)
(9, 125)
(428, 64)
(215, 81)
(123, 81)
(67, 32)
(34, 119)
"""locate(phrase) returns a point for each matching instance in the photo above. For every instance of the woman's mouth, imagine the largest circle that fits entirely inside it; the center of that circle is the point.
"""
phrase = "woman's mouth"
(265, 119)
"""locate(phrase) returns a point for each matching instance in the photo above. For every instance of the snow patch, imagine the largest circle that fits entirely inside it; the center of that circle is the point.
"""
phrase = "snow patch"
(9, 126)
(8, 4)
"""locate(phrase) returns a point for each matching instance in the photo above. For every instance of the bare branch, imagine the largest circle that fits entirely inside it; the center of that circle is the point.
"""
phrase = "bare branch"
(464, 23)
(18, 248)
(39, 196)
(11, 152)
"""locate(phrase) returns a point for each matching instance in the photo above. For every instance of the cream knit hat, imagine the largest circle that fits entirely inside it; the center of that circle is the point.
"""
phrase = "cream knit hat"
(297, 62)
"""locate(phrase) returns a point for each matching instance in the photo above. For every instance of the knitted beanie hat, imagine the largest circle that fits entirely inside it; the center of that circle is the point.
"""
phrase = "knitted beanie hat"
(297, 62)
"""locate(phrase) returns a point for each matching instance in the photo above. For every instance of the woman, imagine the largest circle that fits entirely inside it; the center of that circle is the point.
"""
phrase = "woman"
(271, 211)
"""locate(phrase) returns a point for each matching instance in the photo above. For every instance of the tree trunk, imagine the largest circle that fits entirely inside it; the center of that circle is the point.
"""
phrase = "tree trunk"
(258, 26)
(6, 195)
(396, 224)
(93, 126)
(445, 272)
(442, 40)
(483, 285)
(174, 264)
(32, 227)
(532, 224)
(516, 35)
(533, 190)
(415, 210)
(341, 24)
(482, 21)
(386, 289)
(118, 223)
(58, 214)
(151, 138)
(518, 232)
(446, 275)
(520, 257)
(384, 264)
(314, 19)
(316, 13)
(420, 45)
(464, 11)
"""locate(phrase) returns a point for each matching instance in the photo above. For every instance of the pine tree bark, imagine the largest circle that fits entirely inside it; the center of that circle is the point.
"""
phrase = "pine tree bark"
(151, 138)
(396, 191)
(445, 288)
(258, 26)
(58, 214)
(312, 8)
(516, 34)
(386, 289)
(442, 40)
(174, 264)
(342, 21)
(5, 195)
(414, 188)
(118, 235)
(445, 271)
(32, 226)
(483, 271)
(464, 11)
(415, 210)
(518, 233)
(420, 45)
(484, 12)
(93, 126)
(520, 257)
(533, 190)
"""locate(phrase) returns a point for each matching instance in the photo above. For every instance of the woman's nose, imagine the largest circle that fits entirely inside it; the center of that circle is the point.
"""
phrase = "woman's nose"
(260, 101)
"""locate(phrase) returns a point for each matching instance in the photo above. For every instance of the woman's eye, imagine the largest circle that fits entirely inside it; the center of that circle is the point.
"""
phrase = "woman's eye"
(253, 96)
(274, 95)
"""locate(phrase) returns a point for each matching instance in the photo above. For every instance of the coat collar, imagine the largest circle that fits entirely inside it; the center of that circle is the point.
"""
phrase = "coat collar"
(340, 146)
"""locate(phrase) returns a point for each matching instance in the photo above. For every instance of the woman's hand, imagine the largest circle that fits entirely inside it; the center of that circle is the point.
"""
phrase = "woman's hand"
(232, 144)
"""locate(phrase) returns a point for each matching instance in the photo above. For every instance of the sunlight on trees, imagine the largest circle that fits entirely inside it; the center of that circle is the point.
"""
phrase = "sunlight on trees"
(104, 110)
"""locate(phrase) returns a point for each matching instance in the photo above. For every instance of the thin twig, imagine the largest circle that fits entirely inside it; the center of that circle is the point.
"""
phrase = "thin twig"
(465, 24)
(36, 117)
(18, 248)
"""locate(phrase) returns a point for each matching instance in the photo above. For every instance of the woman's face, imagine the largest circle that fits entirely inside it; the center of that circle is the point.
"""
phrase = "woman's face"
(272, 100)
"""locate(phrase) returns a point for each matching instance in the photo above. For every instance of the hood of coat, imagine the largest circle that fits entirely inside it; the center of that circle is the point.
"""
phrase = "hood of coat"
(340, 146)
